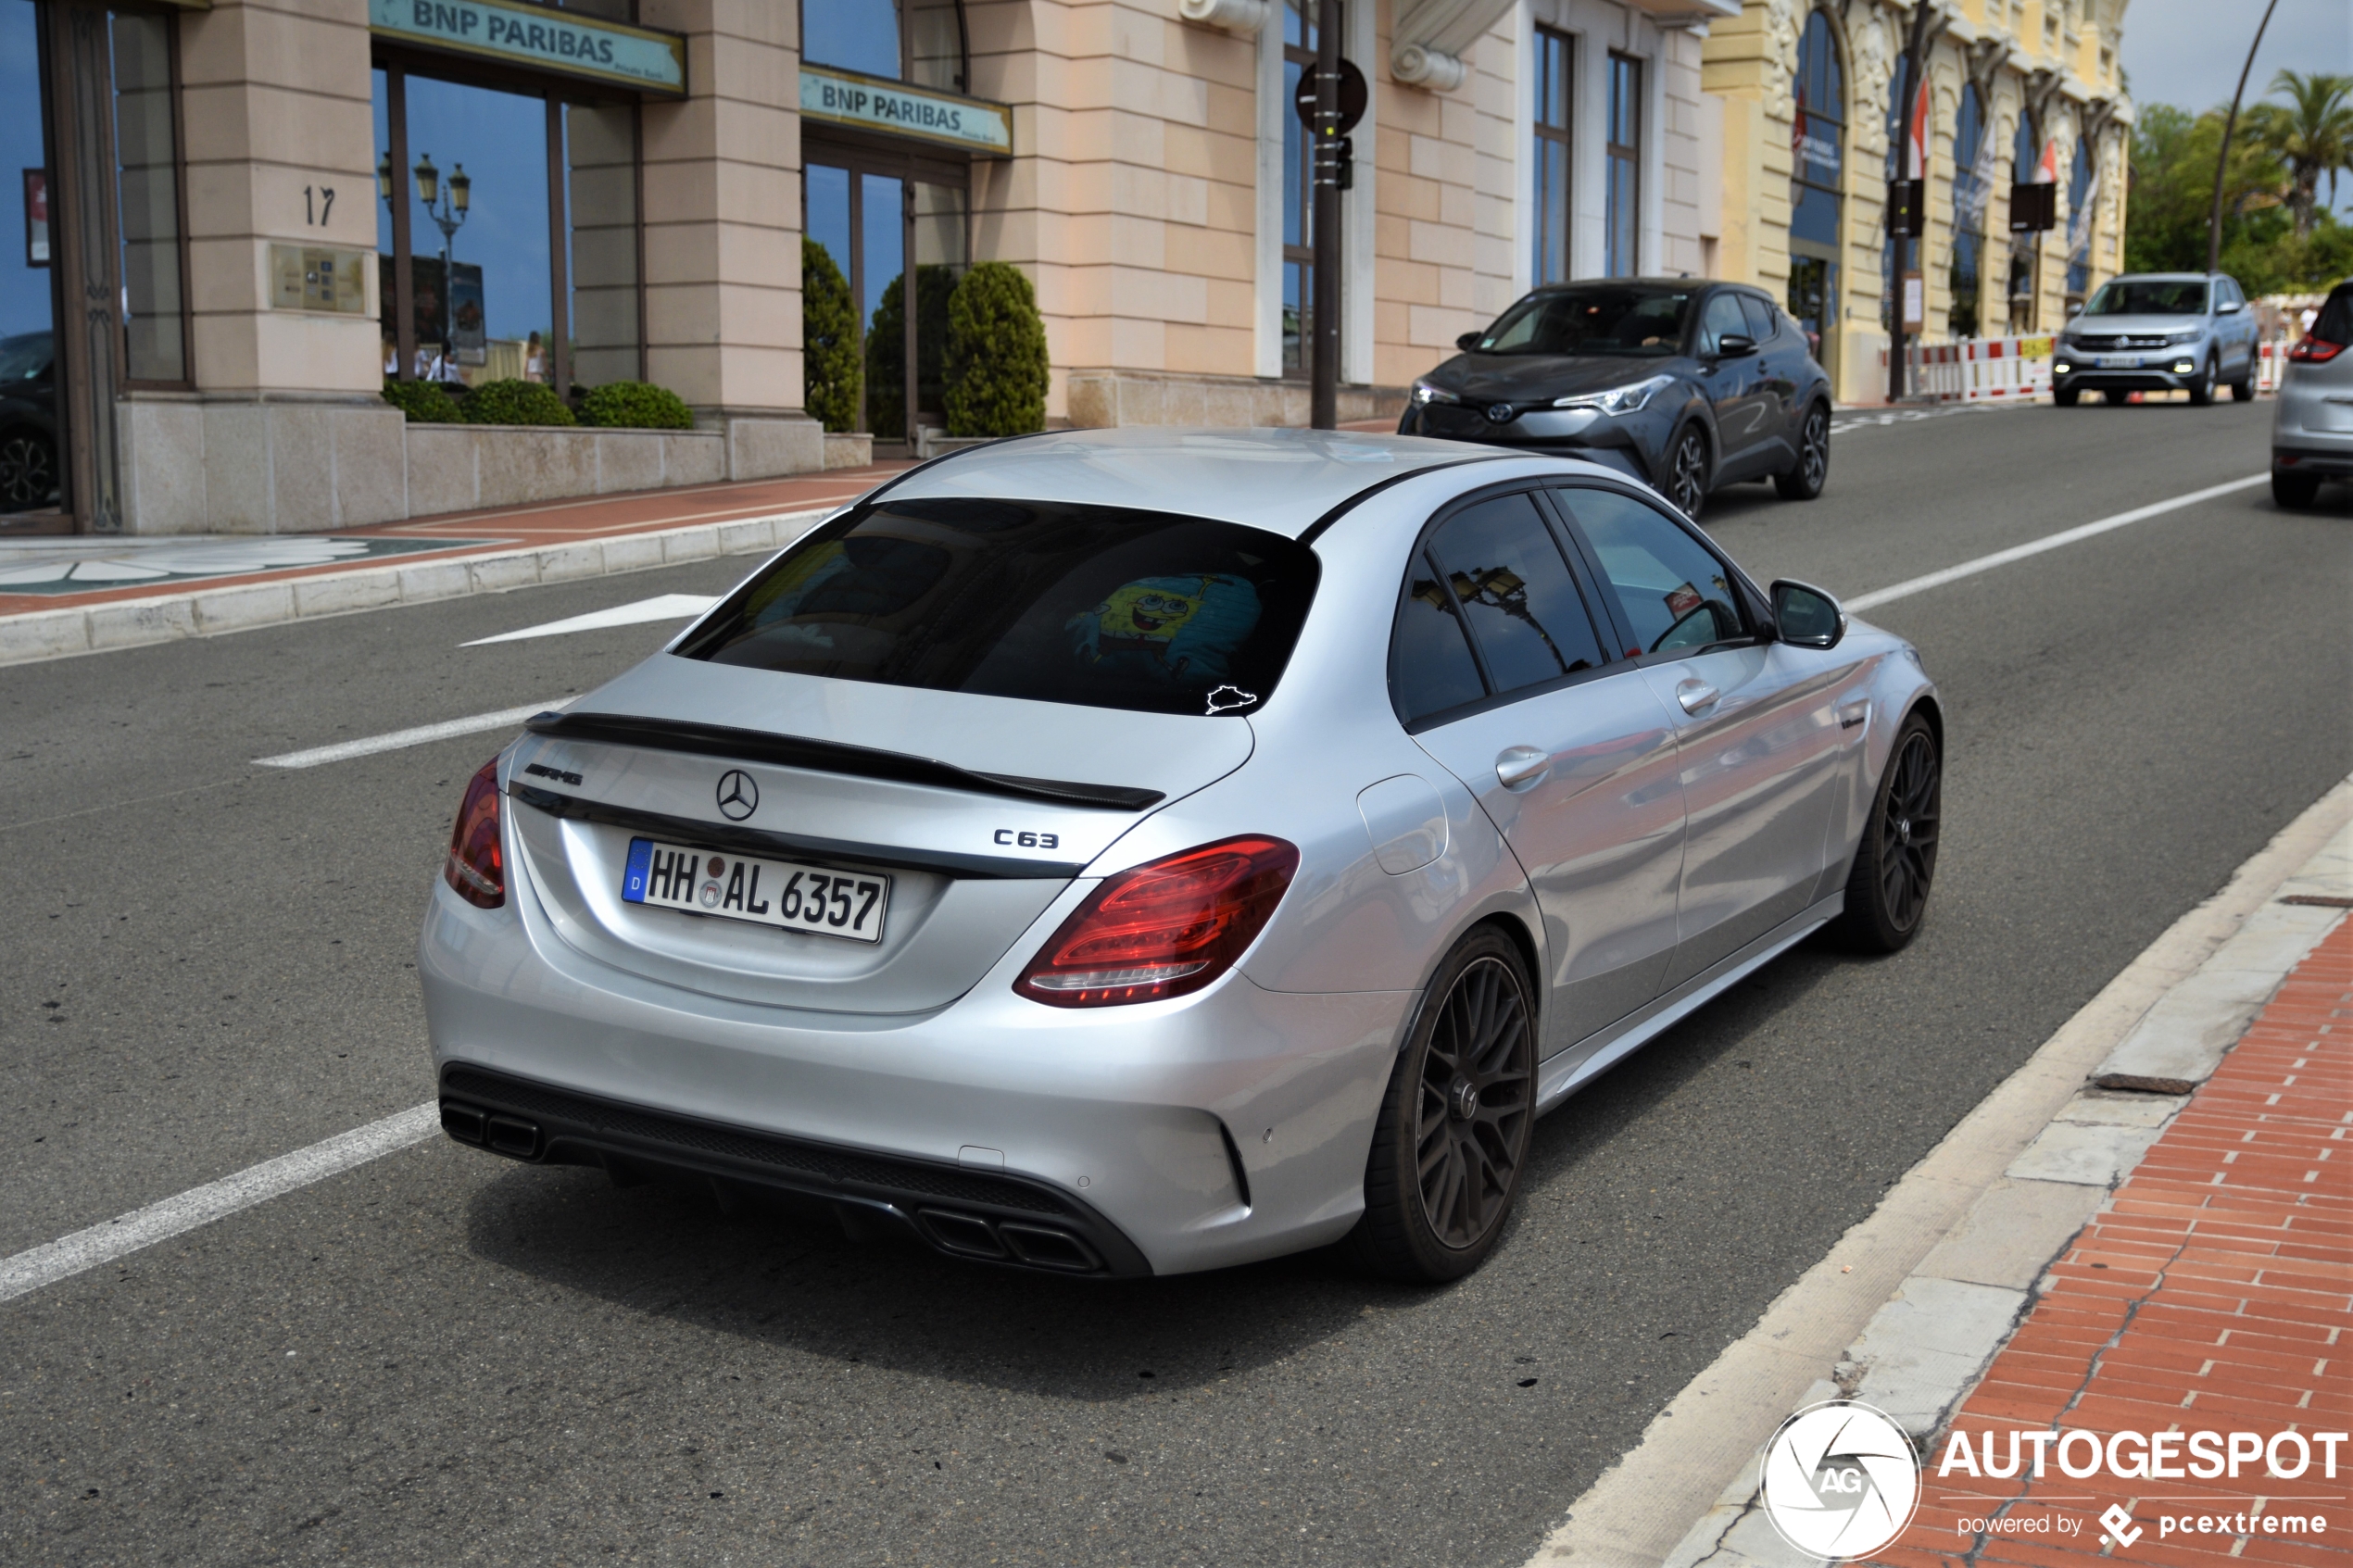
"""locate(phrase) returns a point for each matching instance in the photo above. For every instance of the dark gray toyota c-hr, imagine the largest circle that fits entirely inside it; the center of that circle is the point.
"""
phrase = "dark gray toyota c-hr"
(1684, 384)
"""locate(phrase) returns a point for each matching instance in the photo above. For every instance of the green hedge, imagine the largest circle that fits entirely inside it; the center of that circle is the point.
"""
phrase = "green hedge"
(828, 339)
(636, 404)
(515, 403)
(423, 401)
(997, 366)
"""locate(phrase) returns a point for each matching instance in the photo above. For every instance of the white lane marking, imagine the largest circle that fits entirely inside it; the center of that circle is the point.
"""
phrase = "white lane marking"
(70, 1255)
(662, 607)
(1909, 586)
(342, 751)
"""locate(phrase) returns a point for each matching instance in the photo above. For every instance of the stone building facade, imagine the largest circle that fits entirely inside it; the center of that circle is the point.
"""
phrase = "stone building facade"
(2020, 91)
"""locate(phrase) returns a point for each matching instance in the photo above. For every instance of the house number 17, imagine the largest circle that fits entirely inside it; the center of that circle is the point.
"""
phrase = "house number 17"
(316, 207)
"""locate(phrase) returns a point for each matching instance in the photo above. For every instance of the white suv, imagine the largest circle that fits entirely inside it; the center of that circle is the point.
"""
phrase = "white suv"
(2312, 427)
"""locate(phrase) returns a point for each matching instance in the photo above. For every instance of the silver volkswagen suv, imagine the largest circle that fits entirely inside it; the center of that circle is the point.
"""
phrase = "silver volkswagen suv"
(2158, 331)
(2312, 427)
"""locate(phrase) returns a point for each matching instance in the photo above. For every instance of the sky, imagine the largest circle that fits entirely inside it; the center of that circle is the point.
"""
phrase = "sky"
(2188, 53)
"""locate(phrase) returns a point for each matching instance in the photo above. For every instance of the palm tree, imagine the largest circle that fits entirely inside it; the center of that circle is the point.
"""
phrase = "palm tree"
(2312, 133)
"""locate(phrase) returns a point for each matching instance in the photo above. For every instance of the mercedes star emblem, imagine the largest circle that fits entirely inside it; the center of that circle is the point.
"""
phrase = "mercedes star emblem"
(1499, 413)
(738, 797)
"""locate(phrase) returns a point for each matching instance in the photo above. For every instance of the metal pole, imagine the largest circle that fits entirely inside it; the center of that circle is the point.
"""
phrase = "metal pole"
(1324, 396)
(404, 289)
(2222, 158)
(1913, 50)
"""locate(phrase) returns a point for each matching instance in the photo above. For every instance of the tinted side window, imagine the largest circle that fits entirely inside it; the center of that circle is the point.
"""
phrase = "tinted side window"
(1760, 317)
(1723, 316)
(1674, 592)
(1429, 657)
(1506, 572)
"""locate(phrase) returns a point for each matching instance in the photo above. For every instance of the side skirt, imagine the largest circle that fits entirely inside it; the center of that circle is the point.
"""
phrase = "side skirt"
(1605, 1048)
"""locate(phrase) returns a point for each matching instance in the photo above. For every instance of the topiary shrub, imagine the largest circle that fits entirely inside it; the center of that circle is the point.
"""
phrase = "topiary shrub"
(887, 349)
(514, 402)
(828, 340)
(997, 366)
(423, 401)
(636, 404)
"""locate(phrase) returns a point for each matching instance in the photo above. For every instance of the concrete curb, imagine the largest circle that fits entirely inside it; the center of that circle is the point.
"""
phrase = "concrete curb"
(203, 612)
(1912, 1304)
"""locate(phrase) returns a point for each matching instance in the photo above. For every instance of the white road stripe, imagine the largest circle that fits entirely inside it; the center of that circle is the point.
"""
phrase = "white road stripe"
(342, 751)
(1907, 588)
(68, 1255)
(662, 607)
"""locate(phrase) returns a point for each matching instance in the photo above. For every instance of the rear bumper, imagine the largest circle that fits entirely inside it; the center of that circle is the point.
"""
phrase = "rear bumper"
(2322, 462)
(1216, 1129)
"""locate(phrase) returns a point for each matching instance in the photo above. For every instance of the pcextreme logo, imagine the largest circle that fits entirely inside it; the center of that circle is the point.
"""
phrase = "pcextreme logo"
(1840, 1479)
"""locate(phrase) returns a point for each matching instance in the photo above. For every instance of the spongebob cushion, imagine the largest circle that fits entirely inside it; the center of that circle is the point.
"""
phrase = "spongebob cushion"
(1183, 629)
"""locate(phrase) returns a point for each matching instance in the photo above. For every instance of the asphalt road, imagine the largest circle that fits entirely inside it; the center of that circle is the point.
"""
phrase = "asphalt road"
(444, 1357)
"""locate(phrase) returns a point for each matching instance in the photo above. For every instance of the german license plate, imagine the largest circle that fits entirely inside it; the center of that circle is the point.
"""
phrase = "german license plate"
(2120, 361)
(817, 899)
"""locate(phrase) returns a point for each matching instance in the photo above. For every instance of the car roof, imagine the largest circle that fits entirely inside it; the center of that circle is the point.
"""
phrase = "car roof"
(1279, 479)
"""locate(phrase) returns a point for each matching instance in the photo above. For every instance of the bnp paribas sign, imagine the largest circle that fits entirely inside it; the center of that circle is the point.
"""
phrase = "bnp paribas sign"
(874, 103)
(540, 37)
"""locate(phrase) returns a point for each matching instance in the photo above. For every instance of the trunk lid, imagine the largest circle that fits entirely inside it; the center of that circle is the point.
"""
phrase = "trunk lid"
(979, 810)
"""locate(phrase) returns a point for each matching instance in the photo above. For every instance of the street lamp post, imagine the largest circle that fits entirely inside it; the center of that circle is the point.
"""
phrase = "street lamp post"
(454, 198)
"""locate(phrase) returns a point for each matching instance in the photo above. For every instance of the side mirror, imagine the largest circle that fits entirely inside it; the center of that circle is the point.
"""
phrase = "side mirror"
(2228, 308)
(1732, 345)
(1805, 617)
(2073, 311)
(1469, 341)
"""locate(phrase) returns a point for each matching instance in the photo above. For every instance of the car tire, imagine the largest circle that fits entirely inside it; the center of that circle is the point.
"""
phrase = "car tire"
(1895, 861)
(28, 470)
(1804, 479)
(1452, 1139)
(2065, 396)
(1685, 471)
(2242, 389)
(2295, 491)
(2202, 389)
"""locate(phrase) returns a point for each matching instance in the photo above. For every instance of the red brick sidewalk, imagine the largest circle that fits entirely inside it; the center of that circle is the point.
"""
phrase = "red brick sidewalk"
(544, 522)
(2211, 1297)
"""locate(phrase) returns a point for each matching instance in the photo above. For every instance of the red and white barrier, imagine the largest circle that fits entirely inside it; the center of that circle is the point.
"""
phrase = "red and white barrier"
(1979, 370)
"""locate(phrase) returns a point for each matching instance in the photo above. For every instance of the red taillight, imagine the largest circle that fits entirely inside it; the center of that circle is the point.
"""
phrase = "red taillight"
(1164, 929)
(476, 867)
(2315, 351)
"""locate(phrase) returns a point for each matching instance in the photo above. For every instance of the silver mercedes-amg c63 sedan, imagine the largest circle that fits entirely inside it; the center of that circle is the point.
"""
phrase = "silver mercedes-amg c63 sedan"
(1126, 852)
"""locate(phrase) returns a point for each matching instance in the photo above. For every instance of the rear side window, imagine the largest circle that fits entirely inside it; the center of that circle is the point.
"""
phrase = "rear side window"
(1490, 578)
(1099, 606)
(2334, 323)
(1673, 593)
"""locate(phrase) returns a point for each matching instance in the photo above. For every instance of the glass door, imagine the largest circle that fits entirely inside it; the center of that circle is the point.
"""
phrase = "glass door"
(31, 435)
(870, 216)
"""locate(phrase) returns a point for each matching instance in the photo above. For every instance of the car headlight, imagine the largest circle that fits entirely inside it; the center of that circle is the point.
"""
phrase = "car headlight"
(1426, 393)
(1617, 399)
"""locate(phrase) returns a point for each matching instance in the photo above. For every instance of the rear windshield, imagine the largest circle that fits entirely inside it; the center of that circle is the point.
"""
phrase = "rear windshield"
(1604, 318)
(2334, 323)
(2149, 296)
(1096, 606)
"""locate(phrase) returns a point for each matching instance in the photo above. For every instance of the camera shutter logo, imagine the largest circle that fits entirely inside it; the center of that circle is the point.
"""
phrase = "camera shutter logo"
(1841, 1480)
(738, 797)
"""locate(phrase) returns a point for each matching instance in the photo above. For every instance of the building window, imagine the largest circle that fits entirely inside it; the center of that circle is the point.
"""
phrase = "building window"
(1818, 144)
(1623, 225)
(2026, 251)
(1556, 55)
(147, 190)
(1299, 192)
(917, 40)
(523, 233)
(1972, 188)
(2082, 194)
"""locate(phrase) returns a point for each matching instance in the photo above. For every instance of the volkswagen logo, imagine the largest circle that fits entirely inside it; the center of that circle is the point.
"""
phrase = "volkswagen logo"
(1499, 413)
(738, 797)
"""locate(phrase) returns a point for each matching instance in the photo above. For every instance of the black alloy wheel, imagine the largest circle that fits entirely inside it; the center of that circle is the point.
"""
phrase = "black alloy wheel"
(28, 472)
(2202, 389)
(1687, 471)
(1452, 1136)
(2065, 396)
(2242, 389)
(1895, 862)
(1804, 479)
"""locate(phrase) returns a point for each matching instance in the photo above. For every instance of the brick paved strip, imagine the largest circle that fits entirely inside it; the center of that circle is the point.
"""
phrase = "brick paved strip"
(2228, 1286)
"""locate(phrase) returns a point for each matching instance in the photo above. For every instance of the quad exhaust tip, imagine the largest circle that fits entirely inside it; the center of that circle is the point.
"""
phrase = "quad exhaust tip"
(501, 1134)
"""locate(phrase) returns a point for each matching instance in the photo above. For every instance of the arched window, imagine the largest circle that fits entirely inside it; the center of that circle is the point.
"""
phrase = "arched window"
(1972, 183)
(1899, 100)
(2081, 190)
(1817, 148)
(921, 42)
(2025, 250)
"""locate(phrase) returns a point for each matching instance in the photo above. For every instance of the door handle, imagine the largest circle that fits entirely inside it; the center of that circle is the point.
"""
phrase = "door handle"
(1695, 695)
(1520, 767)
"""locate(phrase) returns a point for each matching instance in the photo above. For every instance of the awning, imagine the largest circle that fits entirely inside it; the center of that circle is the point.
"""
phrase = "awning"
(539, 38)
(923, 114)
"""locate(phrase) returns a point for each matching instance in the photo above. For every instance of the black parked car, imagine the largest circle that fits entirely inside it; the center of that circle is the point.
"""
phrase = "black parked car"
(28, 423)
(1684, 384)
